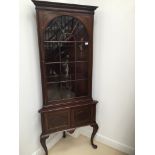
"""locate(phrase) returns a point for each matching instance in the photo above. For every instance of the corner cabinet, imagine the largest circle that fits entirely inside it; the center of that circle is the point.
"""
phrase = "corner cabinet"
(65, 35)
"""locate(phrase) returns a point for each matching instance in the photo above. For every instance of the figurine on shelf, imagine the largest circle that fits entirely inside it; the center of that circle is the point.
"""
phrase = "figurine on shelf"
(67, 70)
(53, 72)
(81, 49)
(66, 67)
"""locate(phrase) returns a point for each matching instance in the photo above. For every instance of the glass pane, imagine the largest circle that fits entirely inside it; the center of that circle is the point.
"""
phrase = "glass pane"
(67, 51)
(82, 88)
(52, 52)
(54, 91)
(67, 90)
(81, 70)
(50, 32)
(53, 72)
(67, 71)
(66, 58)
(82, 51)
(64, 28)
(80, 32)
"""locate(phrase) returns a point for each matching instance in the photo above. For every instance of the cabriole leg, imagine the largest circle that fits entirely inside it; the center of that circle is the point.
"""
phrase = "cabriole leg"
(64, 134)
(95, 128)
(43, 142)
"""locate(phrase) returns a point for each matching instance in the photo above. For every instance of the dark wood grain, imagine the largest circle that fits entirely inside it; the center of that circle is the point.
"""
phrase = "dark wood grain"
(63, 6)
(60, 112)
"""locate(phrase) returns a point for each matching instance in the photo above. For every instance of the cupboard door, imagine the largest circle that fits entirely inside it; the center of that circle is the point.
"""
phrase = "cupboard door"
(57, 120)
(81, 116)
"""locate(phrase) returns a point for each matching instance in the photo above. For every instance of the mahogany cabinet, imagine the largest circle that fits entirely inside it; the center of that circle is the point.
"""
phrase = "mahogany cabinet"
(65, 36)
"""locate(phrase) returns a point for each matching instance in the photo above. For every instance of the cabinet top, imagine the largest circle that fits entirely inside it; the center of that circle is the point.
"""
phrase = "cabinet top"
(64, 6)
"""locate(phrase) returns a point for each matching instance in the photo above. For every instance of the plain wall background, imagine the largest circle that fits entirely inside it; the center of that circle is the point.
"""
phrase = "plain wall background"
(113, 72)
(30, 81)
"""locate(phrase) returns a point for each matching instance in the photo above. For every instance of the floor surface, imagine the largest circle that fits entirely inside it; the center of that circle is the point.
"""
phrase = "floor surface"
(81, 146)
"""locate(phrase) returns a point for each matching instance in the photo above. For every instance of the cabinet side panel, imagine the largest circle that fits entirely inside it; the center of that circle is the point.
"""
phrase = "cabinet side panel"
(41, 53)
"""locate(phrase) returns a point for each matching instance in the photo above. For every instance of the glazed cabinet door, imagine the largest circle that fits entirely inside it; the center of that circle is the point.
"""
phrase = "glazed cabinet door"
(66, 52)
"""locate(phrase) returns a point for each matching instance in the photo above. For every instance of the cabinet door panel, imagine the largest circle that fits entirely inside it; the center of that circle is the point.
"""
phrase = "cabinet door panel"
(81, 116)
(57, 120)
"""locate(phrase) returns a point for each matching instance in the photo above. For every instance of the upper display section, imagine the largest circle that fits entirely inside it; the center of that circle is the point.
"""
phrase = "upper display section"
(65, 36)
(64, 6)
(65, 28)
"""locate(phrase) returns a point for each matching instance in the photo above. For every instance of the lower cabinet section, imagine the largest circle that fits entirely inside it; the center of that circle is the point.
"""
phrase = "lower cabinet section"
(67, 118)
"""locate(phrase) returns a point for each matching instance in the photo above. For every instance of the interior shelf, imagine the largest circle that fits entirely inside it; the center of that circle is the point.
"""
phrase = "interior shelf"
(48, 63)
(67, 81)
(63, 41)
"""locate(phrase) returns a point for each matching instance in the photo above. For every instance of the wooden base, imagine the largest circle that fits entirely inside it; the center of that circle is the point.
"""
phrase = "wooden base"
(44, 137)
(67, 119)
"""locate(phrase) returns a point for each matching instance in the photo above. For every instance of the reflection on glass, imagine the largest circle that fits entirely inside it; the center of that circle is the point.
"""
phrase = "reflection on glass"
(54, 91)
(81, 70)
(52, 52)
(67, 51)
(53, 72)
(67, 71)
(67, 90)
(63, 90)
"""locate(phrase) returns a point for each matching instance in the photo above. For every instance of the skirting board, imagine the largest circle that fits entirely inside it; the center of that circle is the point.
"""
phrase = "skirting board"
(51, 141)
(108, 141)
